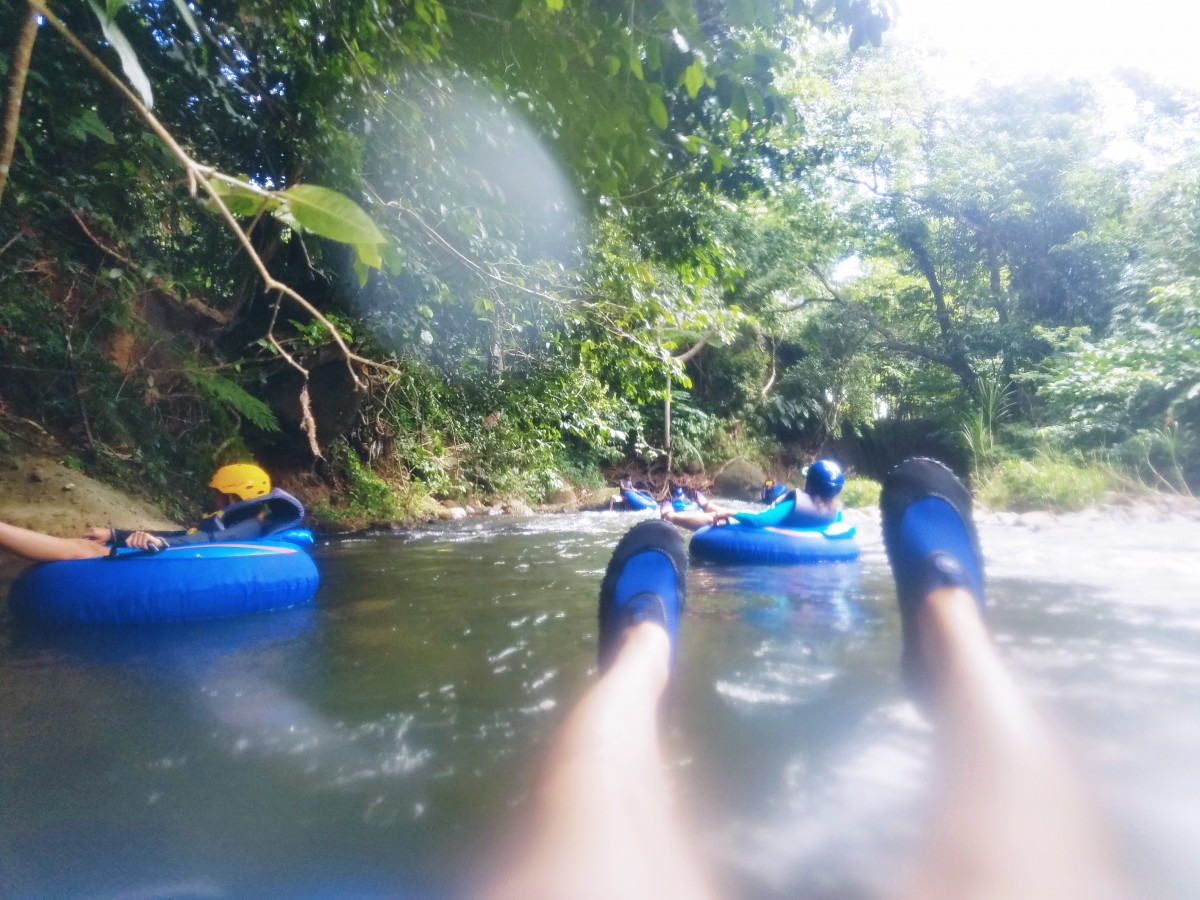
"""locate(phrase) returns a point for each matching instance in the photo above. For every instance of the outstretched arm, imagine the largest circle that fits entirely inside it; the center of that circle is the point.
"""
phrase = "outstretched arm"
(772, 516)
(45, 547)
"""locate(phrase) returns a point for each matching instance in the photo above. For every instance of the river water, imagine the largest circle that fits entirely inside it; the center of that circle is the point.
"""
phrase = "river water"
(378, 742)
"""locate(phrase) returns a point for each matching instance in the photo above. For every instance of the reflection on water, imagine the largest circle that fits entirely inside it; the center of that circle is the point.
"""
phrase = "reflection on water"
(374, 743)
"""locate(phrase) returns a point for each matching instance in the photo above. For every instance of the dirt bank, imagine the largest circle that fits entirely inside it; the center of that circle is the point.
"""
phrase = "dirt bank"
(37, 491)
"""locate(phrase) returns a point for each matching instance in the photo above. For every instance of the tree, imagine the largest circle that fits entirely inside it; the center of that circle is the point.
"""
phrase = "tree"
(650, 119)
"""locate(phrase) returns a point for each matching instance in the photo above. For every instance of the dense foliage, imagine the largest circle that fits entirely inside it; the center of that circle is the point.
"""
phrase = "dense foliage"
(574, 233)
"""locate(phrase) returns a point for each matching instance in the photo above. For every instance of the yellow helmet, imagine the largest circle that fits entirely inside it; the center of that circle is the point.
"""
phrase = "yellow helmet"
(242, 480)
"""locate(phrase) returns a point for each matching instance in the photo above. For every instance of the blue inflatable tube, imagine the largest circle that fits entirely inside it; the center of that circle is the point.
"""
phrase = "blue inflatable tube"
(178, 584)
(738, 543)
(773, 493)
(644, 500)
(638, 499)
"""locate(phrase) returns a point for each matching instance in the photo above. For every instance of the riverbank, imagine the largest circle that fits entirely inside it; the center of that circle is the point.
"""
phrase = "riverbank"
(38, 491)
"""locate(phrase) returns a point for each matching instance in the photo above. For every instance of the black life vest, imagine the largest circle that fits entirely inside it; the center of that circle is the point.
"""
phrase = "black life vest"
(283, 511)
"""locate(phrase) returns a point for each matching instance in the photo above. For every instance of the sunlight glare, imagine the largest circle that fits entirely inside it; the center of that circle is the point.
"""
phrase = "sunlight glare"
(1018, 39)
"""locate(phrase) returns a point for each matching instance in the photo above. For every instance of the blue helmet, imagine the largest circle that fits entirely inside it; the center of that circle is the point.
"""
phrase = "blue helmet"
(825, 479)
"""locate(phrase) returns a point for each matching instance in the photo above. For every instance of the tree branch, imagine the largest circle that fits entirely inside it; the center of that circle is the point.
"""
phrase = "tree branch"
(99, 243)
(955, 362)
(698, 346)
(16, 92)
(203, 176)
(770, 381)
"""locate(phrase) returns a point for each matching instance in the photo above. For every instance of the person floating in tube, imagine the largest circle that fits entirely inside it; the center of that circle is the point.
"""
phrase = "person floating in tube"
(246, 509)
(816, 505)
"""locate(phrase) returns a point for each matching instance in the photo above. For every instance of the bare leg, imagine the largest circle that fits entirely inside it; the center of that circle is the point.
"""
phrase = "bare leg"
(47, 548)
(1010, 819)
(603, 822)
(691, 521)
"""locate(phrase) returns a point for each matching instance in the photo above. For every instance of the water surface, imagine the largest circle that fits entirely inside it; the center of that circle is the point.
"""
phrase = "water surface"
(377, 742)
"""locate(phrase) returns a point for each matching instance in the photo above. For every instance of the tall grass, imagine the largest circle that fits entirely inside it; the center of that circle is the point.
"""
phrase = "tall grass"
(1159, 454)
(860, 491)
(979, 429)
(1051, 480)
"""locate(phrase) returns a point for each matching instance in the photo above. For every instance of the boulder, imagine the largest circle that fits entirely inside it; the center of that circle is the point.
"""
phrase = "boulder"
(597, 501)
(560, 497)
(739, 479)
(518, 508)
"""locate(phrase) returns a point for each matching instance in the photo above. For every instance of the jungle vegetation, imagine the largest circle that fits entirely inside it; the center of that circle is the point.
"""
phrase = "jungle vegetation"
(408, 248)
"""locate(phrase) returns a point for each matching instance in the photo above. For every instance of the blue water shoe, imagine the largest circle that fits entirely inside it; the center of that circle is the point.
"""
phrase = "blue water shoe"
(931, 543)
(646, 581)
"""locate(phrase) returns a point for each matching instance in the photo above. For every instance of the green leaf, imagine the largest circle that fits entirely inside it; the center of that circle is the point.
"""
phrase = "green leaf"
(693, 78)
(369, 255)
(393, 257)
(743, 13)
(89, 124)
(129, 61)
(330, 214)
(554, 5)
(635, 63)
(221, 390)
(243, 200)
(654, 55)
(614, 65)
(362, 270)
(466, 222)
(658, 111)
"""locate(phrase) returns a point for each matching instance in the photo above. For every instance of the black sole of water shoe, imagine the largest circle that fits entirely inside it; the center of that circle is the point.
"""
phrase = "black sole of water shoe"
(655, 536)
(921, 478)
(912, 482)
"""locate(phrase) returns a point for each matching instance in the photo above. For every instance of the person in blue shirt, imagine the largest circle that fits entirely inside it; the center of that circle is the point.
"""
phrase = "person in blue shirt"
(816, 505)
(246, 508)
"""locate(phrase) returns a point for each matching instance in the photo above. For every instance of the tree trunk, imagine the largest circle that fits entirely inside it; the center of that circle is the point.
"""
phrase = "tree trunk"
(16, 92)
(667, 427)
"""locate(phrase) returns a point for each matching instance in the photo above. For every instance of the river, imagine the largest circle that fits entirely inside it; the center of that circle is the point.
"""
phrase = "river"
(377, 742)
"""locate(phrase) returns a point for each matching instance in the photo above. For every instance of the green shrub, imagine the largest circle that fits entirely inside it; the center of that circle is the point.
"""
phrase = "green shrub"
(365, 498)
(1049, 481)
(860, 491)
(582, 473)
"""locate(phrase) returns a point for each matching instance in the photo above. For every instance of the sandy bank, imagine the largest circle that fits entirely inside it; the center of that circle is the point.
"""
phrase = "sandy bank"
(37, 491)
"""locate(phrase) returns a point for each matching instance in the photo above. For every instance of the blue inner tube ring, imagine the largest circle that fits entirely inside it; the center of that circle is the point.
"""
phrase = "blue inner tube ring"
(738, 543)
(177, 584)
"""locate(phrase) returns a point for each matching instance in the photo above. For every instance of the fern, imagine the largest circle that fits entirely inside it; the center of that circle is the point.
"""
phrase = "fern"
(219, 389)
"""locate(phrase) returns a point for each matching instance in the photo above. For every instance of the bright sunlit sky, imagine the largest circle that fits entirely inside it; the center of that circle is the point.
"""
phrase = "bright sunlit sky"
(1007, 40)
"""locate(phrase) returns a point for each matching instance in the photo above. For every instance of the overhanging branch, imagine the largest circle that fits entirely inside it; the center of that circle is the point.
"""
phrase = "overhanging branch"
(201, 176)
